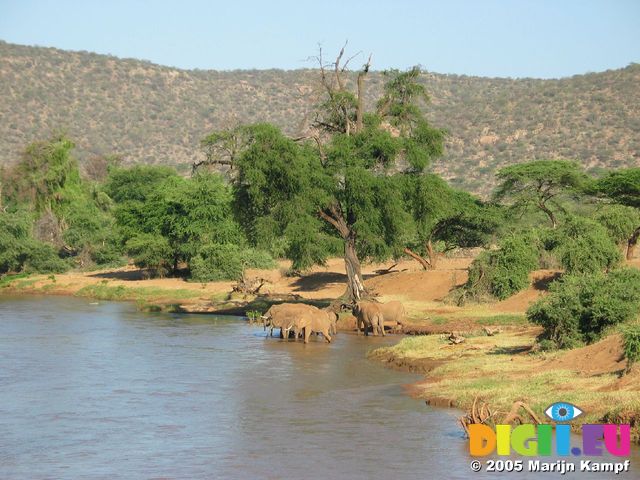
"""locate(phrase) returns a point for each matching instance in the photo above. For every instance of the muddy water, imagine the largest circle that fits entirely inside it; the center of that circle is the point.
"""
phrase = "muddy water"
(103, 391)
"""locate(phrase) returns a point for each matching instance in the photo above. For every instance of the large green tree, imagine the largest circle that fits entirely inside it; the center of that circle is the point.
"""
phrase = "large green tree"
(165, 219)
(539, 185)
(342, 178)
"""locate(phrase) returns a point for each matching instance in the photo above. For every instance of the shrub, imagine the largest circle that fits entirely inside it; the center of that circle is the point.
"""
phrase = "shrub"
(15, 237)
(631, 344)
(586, 247)
(503, 272)
(516, 258)
(150, 251)
(43, 258)
(580, 307)
(108, 254)
(226, 262)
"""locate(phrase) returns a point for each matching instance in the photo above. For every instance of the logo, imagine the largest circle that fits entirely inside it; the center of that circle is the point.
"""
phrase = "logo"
(531, 440)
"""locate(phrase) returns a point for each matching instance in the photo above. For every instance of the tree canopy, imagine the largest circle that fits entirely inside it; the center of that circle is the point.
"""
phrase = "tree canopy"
(539, 184)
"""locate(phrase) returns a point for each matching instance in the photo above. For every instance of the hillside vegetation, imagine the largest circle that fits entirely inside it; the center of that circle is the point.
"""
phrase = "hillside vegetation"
(154, 114)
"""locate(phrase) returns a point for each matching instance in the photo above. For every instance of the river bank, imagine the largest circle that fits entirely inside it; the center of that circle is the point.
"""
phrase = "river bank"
(498, 369)
(505, 368)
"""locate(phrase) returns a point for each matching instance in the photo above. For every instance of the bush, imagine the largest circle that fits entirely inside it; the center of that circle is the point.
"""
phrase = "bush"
(226, 262)
(15, 239)
(580, 307)
(108, 254)
(631, 344)
(516, 258)
(503, 272)
(152, 252)
(43, 258)
(586, 247)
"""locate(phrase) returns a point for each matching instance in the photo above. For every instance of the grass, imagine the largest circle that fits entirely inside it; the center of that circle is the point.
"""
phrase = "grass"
(499, 371)
(7, 280)
(141, 294)
(504, 319)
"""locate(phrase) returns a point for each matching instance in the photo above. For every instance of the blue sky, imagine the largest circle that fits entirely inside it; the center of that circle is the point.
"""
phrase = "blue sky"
(505, 38)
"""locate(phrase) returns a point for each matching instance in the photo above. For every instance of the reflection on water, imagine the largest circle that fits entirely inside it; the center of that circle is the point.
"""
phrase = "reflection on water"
(103, 391)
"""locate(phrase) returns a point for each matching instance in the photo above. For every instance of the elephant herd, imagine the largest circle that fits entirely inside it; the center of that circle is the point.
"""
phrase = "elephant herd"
(303, 319)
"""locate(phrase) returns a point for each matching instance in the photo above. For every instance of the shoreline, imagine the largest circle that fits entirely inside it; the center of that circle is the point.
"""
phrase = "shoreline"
(449, 381)
(498, 369)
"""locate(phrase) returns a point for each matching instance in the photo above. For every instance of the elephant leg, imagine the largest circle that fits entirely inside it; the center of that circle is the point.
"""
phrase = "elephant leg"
(327, 337)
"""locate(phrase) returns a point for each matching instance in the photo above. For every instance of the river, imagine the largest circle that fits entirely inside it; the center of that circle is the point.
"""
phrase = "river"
(100, 390)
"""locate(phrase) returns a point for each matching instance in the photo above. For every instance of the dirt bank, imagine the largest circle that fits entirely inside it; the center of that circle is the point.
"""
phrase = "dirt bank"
(506, 368)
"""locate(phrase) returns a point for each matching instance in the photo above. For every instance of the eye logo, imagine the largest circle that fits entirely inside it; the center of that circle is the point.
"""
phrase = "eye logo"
(562, 412)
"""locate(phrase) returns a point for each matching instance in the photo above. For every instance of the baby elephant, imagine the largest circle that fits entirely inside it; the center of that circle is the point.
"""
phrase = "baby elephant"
(370, 315)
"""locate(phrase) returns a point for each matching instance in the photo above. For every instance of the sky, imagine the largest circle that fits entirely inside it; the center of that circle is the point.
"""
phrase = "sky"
(497, 38)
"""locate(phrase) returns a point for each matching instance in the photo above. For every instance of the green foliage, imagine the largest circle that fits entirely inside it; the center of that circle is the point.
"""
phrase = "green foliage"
(631, 344)
(579, 308)
(443, 214)
(622, 186)
(586, 247)
(43, 258)
(539, 184)
(15, 240)
(503, 272)
(19, 251)
(516, 258)
(226, 262)
(47, 175)
(137, 183)
(171, 216)
(152, 252)
(620, 221)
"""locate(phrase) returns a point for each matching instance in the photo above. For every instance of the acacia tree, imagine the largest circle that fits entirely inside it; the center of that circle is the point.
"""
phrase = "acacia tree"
(623, 187)
(539, 185)
(339, 179)
(442, 214)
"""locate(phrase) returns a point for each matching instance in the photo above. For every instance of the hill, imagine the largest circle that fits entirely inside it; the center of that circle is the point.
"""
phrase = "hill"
(155, 114)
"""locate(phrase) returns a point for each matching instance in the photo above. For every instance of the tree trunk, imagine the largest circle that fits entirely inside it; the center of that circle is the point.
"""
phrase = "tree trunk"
(432, 254)
(550, 214)
(631, 244)
(355, 284)
(421, 260)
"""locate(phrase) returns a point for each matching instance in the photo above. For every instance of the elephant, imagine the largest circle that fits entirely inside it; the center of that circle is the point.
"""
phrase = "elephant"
(370, 315)
(316, 320)
(283, 316)
(393, 312)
